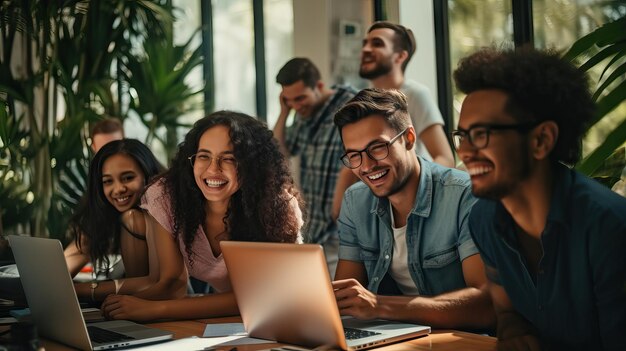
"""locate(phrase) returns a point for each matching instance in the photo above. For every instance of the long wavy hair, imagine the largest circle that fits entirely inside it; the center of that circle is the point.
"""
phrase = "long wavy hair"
(96, 218)
(260, 209)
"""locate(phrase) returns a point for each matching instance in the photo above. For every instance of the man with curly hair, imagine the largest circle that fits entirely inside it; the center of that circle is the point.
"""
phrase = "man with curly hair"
(553, 241)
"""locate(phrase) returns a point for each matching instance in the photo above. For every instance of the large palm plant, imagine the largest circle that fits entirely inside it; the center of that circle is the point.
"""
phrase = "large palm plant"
(605, 48)
(160, 93)
(58, 64)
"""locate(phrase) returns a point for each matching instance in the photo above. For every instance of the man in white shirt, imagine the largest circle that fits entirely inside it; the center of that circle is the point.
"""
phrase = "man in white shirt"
(387, 49)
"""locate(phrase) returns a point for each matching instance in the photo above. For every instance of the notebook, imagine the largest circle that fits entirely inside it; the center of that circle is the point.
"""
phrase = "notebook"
(54, 306)
(284, 294)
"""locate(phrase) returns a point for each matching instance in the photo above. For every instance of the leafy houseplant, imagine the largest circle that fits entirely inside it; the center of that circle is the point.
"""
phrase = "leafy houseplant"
(63, 65)
(605, 48)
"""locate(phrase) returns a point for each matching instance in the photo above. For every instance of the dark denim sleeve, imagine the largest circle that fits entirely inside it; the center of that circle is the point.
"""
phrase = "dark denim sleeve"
(608, 260)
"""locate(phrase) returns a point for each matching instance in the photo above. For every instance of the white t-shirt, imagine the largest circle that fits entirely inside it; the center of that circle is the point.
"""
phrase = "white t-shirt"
(399, 269)
(423, 110)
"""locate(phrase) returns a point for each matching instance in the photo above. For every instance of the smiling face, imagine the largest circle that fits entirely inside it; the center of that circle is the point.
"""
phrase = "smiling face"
(122, 181)
(497, 169)
(305, 100)
(377, 53)
(388, 176)
(217, 180)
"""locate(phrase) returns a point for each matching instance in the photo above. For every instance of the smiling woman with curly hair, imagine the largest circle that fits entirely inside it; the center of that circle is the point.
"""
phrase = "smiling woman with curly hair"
(228, 181)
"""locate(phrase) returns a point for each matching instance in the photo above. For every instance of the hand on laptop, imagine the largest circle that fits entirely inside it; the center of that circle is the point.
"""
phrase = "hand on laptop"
(129, 307)
(355, 300)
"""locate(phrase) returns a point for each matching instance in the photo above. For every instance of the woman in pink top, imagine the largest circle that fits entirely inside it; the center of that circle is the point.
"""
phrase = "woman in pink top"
(228, 181)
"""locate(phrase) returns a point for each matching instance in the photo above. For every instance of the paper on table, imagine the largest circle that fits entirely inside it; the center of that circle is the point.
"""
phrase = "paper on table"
(196, 343)
(224, 329)
(192, 343)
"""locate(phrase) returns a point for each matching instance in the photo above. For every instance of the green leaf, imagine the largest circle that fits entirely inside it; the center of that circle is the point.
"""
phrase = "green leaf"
(610, 102)
(602, 55)
(609, 33)
(593, 161)
(619, 72)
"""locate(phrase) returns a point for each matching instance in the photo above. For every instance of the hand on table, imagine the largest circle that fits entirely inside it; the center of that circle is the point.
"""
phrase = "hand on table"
(355, 300)
(129, 307)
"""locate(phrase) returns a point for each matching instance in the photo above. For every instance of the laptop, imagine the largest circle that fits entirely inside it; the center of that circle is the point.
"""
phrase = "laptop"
(54, 306)
(284, 293)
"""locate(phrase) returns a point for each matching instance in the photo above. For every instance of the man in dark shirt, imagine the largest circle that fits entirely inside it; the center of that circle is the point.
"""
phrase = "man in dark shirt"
(553, 241)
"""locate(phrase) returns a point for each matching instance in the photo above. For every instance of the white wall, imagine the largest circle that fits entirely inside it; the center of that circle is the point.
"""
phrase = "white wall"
(418, 16)
(312, 33)
(316, 26)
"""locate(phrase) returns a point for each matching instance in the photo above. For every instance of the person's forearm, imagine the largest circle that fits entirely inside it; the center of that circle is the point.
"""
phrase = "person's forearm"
(143, 287)
(445, 160)
(466, 308)
(170, 288)
(208, 306)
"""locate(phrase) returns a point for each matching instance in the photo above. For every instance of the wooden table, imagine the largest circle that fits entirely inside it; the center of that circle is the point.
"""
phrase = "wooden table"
(438, 340)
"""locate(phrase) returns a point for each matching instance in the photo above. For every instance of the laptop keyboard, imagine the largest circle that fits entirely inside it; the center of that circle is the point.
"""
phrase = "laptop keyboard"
(352, 334)
(101, 336)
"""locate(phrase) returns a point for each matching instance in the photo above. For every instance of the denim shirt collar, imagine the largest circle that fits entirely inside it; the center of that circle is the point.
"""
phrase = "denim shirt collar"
(559, 203)
(423, 197)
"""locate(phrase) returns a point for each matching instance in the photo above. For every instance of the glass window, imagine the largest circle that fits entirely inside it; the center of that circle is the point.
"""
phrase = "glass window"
(233, 53)
(278, 19)
(559, 24)
(474, 24)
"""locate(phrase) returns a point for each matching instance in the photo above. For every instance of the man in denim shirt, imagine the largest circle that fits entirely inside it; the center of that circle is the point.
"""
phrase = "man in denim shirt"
(553, 240)
(404, 226)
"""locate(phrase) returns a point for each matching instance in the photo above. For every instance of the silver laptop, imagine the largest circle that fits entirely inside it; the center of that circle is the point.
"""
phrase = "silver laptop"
(54, 307)
(284, 294)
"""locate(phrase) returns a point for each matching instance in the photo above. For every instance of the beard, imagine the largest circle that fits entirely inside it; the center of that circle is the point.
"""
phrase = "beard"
(504, 188)
(395, 188)
(381, 68)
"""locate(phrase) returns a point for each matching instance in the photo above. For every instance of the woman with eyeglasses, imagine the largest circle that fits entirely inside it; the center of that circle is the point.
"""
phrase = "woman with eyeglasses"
(228, 181)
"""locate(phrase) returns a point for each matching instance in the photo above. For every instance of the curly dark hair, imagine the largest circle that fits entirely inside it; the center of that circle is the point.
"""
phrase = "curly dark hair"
(260, 209)
(96, 218)
(540, 85)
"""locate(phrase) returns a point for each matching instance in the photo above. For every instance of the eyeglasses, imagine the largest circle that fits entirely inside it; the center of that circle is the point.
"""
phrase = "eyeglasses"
(203, 160)
(478, 136)
(377, 151)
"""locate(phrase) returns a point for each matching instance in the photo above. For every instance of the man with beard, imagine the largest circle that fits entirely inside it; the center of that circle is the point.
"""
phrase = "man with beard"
(315, 139)
(553, 240)
(403, 229)
(386, 51)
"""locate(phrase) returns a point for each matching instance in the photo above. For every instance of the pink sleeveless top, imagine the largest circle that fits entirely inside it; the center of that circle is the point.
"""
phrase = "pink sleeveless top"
(206, 266)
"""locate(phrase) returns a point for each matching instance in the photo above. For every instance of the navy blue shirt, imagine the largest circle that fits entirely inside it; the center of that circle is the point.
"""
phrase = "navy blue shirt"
(577, 300)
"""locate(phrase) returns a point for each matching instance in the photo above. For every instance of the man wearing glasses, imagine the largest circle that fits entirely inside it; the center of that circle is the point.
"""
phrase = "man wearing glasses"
(403, 229)
(553, 241)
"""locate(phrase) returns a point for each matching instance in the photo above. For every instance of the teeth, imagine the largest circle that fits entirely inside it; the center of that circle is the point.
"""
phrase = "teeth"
(377, 175)
(215, 183)
(479, 170)
(122, 199)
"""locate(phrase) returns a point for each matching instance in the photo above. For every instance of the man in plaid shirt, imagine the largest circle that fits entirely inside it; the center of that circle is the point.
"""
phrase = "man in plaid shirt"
(314, 138)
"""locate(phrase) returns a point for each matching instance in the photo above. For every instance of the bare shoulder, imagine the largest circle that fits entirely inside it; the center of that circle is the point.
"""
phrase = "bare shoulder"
(134, 220)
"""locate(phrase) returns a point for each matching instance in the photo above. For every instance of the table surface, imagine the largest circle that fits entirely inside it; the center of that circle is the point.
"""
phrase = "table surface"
(439, 340)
